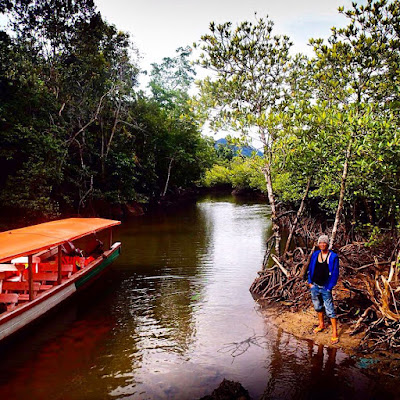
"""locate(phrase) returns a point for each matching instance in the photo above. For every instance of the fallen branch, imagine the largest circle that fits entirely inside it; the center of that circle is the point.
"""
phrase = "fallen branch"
(284, 270)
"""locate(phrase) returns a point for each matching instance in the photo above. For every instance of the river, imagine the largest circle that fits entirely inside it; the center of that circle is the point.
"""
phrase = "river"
(173, 318)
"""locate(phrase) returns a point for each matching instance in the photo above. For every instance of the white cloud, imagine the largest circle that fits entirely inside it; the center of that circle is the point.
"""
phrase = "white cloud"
(158, 27)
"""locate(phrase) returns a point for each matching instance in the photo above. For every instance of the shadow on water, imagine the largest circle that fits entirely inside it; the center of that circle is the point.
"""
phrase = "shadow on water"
(301, 369)
(170, 318)
(40, 361)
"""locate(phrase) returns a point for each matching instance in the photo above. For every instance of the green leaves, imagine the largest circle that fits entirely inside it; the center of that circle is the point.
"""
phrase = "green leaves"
(240, 173)
(74, 132)
(317, 115)
(248, 66)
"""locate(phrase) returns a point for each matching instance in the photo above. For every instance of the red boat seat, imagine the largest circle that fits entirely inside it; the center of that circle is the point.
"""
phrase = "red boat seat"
(44, 278)
(66, 269)
(9, 299)
(21, 288)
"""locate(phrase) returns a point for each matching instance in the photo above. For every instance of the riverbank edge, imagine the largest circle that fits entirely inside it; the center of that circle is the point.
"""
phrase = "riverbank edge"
(177, 199)
(301, 324)
(13, 218)
(133, 209)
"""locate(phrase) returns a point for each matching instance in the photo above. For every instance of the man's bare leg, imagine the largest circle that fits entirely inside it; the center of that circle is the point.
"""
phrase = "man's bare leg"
(321, 320)
(321, 325)
(334, 330)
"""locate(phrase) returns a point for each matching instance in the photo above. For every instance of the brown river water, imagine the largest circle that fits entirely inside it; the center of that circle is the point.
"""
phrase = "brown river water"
(173, 317)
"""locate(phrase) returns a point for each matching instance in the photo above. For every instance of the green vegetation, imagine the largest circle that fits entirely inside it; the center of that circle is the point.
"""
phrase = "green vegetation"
(239, 173)
(329, 124)
(76, 133)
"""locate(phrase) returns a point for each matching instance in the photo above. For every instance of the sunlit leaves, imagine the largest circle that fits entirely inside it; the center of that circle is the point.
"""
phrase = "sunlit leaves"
(249, 66)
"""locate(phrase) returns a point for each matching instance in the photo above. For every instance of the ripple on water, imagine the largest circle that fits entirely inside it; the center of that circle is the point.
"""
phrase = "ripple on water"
(173, 320)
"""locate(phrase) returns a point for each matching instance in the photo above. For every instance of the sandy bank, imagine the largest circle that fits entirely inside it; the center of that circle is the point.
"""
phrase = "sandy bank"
(302, 323)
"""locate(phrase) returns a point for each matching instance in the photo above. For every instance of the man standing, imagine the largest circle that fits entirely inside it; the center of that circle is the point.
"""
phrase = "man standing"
(323, 274)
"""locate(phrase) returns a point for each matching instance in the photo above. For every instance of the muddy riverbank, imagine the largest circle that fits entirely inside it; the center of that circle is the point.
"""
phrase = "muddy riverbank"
(302, 323)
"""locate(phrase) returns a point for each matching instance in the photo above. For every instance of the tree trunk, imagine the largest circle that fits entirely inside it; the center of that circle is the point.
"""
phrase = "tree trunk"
(368, 211)
(271, 197)
(341, 195)
(116, 117)
(298, 215)
(94, 118)
(275, 227)
(168, 176)
(103, 166)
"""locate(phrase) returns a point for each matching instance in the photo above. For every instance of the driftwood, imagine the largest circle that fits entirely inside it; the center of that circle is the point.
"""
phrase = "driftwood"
(367, 296)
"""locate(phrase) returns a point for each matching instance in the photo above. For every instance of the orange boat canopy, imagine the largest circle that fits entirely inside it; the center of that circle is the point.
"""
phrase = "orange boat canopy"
(32, 239)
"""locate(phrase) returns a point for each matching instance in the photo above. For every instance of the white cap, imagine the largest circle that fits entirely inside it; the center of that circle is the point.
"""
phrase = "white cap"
(323, 239)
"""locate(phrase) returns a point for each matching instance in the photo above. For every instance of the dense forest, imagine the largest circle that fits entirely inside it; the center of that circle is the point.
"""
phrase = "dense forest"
(77, 135)
(329, 129)
(76, 132)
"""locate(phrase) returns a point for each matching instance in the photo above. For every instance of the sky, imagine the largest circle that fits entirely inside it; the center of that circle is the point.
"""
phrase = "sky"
(159, 27)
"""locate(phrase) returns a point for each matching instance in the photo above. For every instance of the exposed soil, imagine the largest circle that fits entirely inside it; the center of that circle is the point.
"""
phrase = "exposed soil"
(302, 323)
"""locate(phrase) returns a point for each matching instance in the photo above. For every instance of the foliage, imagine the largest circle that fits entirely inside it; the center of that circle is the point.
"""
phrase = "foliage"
(185, 154)
(331, 120)
(376, 238)
(218, 175)
(249, 73)
(355, 77)
(239, 173)
(225, 152)
(171, 80)
(248, 87)
(74, 131)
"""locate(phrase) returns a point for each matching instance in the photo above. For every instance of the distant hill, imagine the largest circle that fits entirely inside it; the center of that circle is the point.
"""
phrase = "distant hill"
(246, 151)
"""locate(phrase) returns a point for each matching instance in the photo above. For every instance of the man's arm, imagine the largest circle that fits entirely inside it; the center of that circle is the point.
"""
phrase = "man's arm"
(334, 274)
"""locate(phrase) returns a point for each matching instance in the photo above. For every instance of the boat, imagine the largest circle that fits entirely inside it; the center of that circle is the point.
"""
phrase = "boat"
(43, 265)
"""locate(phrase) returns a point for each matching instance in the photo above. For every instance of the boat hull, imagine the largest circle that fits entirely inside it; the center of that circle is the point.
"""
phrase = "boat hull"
(11, 322)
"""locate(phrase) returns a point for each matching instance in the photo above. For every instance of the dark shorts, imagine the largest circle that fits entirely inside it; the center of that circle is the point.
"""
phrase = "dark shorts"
(322, 298)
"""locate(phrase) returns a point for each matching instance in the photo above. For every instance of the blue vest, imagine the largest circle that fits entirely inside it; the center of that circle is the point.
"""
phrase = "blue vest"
(333, 265)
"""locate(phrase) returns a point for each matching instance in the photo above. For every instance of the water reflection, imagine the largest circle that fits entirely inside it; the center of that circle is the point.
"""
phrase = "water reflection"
(300, 369)
(56, 355)
(169, 318)
(184, 268)
(156, 298)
